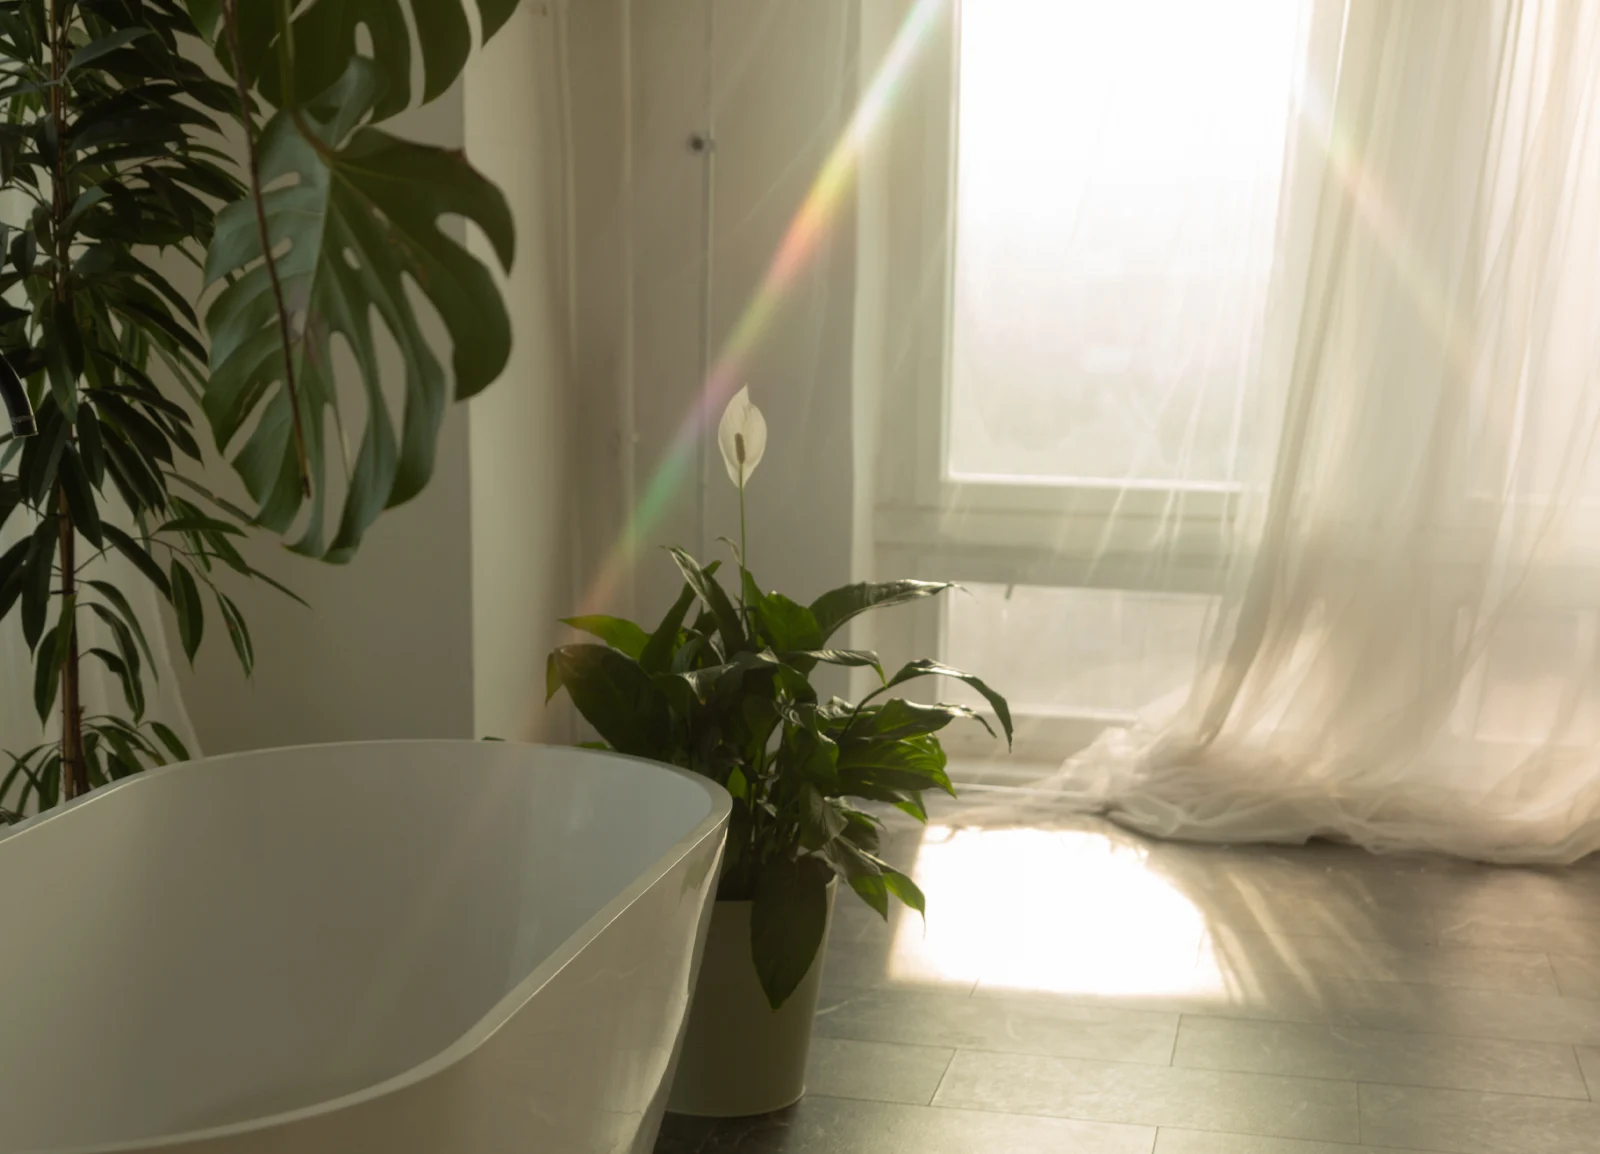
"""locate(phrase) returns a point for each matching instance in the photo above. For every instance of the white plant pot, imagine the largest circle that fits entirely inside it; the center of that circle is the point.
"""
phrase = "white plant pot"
(740, 1056)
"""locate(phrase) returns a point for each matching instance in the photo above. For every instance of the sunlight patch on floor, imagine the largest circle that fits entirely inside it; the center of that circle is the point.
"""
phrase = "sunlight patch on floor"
(1058, 911)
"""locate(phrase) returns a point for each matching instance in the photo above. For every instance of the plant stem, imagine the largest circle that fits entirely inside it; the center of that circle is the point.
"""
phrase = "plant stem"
(743, 558)
(241, 83)
(74, 773)
(74, 766)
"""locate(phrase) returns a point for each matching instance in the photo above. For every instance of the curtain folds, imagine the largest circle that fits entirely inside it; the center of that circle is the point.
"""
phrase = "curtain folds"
(1406, 649)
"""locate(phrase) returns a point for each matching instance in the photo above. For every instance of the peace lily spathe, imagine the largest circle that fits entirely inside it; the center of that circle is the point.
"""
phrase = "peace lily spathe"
(742, 436)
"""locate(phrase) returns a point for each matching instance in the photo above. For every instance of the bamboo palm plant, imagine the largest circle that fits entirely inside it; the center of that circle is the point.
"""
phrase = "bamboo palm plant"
(242, 138)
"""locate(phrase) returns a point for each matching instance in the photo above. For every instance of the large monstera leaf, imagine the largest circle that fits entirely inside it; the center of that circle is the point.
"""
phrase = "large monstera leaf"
(354, 218)
(326, 37)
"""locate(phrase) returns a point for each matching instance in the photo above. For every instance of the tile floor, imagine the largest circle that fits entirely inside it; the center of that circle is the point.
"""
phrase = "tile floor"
(1081, 989)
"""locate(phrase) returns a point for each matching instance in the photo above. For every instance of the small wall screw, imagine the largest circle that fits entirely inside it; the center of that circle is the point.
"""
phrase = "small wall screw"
(700, 142)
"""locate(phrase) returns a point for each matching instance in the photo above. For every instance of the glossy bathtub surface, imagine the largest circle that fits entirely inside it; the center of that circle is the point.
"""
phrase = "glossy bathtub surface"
(397, 946)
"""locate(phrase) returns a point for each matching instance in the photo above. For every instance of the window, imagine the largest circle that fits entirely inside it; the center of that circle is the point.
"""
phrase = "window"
(1116, 187)
(1100, 202)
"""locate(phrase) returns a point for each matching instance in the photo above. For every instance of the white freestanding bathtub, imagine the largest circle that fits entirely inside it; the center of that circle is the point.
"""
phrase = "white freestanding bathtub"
(393, 947)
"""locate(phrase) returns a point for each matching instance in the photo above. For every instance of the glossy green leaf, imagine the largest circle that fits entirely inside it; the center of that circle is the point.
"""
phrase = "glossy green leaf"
(860, 658)
(929, 668)
(706, 587)
(656, 657)
(621, 635)
(837, 606)
(905, 889)
(898, 718)
(788, 920)
(328, 34)
(787, 625)
(913, 763)
(552, 676)
(616, 697)
(361, 226)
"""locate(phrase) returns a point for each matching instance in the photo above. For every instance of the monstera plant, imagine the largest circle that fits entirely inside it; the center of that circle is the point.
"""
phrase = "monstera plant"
(244, 140)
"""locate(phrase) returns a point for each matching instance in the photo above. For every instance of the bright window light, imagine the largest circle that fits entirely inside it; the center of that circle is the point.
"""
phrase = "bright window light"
(1117, 181)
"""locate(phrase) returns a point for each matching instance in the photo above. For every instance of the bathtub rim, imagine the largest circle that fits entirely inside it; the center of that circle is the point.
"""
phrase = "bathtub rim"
(498, 1014)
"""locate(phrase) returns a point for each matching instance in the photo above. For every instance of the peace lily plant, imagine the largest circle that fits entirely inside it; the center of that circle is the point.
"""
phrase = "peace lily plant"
(722, 686)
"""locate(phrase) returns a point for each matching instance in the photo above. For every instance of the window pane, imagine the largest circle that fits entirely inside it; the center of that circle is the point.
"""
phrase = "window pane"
(1075, 652)
(1116, 196)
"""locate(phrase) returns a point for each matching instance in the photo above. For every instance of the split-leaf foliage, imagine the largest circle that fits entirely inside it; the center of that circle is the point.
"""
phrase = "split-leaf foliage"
(138, 303)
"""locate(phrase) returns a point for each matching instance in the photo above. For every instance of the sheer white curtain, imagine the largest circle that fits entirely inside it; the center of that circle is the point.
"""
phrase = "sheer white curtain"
(1404, 645)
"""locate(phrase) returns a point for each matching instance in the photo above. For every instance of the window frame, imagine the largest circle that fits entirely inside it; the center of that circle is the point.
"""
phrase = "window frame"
(1039, 533)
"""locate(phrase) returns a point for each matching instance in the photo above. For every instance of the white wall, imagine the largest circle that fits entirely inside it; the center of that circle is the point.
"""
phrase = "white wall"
(773, 81)
(386, 648)
(521, 558)
(440, 625)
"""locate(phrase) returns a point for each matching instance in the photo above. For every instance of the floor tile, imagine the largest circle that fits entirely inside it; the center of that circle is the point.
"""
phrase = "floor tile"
(877, 1071)
(821, 1125)
(1170, 1141)
(1465, 1122)
(1513, 929)
(1577, 977)
(1362, 1055)
(1405, 1006)
(1516, 971)
(867, 965)
(1318, 959)
(1021, 1025)
(1152, 1095)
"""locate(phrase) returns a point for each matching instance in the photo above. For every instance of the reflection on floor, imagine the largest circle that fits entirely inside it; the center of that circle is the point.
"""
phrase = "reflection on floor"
(1081, 989)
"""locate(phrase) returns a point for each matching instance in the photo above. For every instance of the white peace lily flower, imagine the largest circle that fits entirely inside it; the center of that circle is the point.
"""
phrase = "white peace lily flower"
(742, 436)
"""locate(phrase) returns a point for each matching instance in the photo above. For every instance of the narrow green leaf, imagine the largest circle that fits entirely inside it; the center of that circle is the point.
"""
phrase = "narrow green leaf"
(186, 604)
(80, 497)
(119, 669)
(90, 446)
(46, 673)
(238, 632)
(114, 597)
(170, 739)
(140, 556)
(36, 582)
